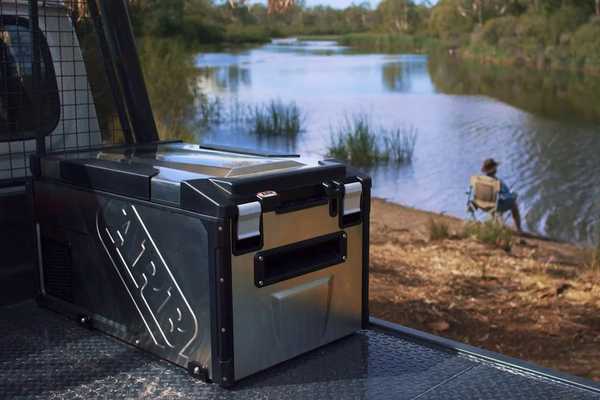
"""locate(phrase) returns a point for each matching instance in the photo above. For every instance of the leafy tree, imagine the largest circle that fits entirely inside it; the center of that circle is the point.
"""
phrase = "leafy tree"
(448, 22)
(397, 15)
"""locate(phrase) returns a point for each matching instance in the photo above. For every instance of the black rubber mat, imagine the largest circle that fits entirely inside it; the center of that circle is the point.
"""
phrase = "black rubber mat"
(43, 355)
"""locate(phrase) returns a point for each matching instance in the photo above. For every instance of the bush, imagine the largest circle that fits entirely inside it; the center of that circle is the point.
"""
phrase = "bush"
(585, 46)
(438, 230)
(199, 30)
(494, 30)
(237, 34)
(535, 27)
(490, 232)
(277, 118)
(566, 20)
(447, 23)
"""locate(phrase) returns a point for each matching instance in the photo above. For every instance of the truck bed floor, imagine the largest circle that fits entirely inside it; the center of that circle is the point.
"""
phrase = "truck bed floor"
(43, 355)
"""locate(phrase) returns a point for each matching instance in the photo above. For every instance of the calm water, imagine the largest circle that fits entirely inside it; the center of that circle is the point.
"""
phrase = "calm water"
(544, 129)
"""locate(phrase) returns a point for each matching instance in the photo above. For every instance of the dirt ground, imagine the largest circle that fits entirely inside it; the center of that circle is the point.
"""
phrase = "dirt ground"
(539, 302)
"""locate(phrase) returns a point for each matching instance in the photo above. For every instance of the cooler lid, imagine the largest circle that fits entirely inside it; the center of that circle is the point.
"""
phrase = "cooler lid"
(157, 172)
(206, 162)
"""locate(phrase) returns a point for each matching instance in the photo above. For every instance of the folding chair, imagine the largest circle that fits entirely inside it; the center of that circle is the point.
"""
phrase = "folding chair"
(483, 195)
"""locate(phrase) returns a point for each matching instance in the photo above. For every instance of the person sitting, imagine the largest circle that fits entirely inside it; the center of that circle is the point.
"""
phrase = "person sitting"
(507, 200)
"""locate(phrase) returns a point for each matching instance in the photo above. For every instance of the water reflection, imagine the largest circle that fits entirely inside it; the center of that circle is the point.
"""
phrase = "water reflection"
(237, 135)
(407, 74)
(226, 78)
(555, 95)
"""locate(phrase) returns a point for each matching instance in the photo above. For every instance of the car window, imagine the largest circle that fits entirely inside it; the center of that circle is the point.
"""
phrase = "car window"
(18, 94)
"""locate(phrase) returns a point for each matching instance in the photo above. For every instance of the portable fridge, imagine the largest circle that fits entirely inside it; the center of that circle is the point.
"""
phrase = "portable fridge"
(219, 260)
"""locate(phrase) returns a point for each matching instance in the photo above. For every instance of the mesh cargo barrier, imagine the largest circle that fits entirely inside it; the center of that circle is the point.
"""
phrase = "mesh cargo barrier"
(54, 88)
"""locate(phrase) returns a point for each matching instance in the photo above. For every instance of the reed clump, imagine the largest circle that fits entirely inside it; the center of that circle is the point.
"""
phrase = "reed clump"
(358, 141)
(277, 118)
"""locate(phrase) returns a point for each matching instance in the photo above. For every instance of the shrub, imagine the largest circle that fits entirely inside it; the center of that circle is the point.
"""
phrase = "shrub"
(533, 26)
(496, 29)
(447, 23)
(490, 232)
(585, 45)
(199, 29)
(438, 230)
(237, 34)
(566, 20)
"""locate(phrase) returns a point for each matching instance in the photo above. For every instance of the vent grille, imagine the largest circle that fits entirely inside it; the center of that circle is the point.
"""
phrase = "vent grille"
(58, 269)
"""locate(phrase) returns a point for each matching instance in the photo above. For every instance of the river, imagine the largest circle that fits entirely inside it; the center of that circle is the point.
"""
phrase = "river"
(543, 128)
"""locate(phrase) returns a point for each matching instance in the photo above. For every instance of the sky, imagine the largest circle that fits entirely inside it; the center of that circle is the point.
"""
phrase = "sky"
(346, 3)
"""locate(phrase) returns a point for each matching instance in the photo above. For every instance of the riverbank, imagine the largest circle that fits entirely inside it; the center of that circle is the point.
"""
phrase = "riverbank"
(380, 42)
(575, 52)
(539, 302)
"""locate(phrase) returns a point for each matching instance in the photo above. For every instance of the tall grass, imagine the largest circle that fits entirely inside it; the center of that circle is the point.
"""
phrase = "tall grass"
(276, 118)
(171, 74)
(211, 110)
(400, 144)
(593, 257)
(358, 141)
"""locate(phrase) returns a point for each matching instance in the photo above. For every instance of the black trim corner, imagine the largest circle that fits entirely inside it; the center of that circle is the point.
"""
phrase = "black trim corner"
(222, 307)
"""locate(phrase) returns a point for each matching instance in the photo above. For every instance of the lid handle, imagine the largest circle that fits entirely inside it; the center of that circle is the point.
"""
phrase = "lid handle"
(248, 220)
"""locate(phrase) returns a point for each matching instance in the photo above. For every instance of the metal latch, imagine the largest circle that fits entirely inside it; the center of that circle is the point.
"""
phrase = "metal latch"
(352, 197)
(248, 225)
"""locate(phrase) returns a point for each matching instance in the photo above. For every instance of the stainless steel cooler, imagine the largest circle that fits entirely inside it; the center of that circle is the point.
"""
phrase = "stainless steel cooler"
(220, 261)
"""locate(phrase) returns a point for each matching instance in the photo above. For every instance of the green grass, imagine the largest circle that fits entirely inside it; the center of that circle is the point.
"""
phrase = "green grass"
(490, 232)
(276, 118)
(357, 141)
(314, 38)
(389, 42)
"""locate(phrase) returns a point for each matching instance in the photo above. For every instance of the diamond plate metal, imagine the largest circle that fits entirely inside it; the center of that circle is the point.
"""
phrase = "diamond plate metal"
(43, 355)
(491, 382)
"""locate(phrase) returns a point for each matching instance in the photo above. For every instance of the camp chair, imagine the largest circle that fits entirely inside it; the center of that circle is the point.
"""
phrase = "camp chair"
(483, 196)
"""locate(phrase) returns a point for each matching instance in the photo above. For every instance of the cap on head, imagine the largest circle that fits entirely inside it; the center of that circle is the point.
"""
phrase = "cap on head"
(490, 166)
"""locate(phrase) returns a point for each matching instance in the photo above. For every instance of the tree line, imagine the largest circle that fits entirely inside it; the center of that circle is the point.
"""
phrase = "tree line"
(540, 32)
